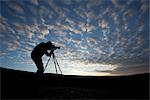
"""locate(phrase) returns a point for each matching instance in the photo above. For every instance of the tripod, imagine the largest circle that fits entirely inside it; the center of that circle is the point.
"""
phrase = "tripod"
(55, 62)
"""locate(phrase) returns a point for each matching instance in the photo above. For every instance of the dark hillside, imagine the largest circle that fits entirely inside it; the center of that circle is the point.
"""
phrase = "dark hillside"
(21, 84)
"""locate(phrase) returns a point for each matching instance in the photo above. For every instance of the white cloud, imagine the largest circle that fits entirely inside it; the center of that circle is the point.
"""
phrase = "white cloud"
(90, 28)
(71, 22)
(116, 4)
(92, 3)
(40, 36)
(45, 31)
(80, 12)
(140, 40)
(2, 53)
(13, 46)
(77, 41)
(103, 24)
(22, 29)
(60, 33)
(30, 34)
(115, 18)
(35, 2)
(67, 40)
(67, 2)
(90, 15)
(145, 5)
(59, 44)
(60, 26)
(128, 13)
(55, 7)
(130, 69)
(101, 52)
(17, 7)
(92, 40)
(82, 26)
(42, 10)
(4, 26)
(84, 68)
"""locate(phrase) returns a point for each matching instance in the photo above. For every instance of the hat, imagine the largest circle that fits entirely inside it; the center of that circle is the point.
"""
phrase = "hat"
(49, 43)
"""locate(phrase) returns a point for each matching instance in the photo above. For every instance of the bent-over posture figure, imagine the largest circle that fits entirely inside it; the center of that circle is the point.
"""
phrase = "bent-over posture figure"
(38, 52)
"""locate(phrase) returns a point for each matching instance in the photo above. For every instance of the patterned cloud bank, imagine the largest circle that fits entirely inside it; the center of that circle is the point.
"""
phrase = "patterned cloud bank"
(97, 37)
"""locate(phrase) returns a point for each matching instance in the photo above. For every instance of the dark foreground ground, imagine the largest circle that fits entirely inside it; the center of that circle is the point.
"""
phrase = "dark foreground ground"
(26, 85)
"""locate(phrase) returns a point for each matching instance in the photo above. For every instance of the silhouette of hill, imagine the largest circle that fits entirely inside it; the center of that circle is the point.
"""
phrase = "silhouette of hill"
(17, 84)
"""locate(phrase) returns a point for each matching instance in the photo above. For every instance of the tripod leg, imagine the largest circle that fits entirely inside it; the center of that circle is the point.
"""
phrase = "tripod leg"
(58, 65)
(55, 64)
(47, 63)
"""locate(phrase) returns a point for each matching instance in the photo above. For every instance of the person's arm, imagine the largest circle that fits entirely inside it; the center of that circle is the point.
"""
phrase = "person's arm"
(48, 54)
(52, 50)
(49, 48)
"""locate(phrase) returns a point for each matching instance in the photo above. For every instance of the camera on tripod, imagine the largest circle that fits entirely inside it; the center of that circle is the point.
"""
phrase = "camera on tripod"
(54, 48)
(54, 60)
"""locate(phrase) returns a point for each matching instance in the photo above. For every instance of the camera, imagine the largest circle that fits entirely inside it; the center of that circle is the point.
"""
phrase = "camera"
(54, 48)
(57, 47)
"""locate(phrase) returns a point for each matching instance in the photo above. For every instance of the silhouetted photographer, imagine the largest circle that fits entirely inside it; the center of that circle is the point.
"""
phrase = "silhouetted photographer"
(39, 51)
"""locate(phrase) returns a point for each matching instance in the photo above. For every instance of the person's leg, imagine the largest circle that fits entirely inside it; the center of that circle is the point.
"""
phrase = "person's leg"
(39, 65)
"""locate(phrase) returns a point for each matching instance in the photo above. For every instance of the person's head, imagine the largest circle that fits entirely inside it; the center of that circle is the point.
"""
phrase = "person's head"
(49, 43)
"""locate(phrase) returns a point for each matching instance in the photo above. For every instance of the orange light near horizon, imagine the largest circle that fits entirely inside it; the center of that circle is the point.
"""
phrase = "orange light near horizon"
(82, 68)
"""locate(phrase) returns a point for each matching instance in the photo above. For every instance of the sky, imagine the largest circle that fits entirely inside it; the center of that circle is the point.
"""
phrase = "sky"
(97, 37)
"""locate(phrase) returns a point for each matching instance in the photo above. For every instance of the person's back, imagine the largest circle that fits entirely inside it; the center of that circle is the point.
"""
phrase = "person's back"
(38, 52)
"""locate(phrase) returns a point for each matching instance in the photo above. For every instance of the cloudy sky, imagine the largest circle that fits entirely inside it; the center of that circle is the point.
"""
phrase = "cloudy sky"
(97, 37)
